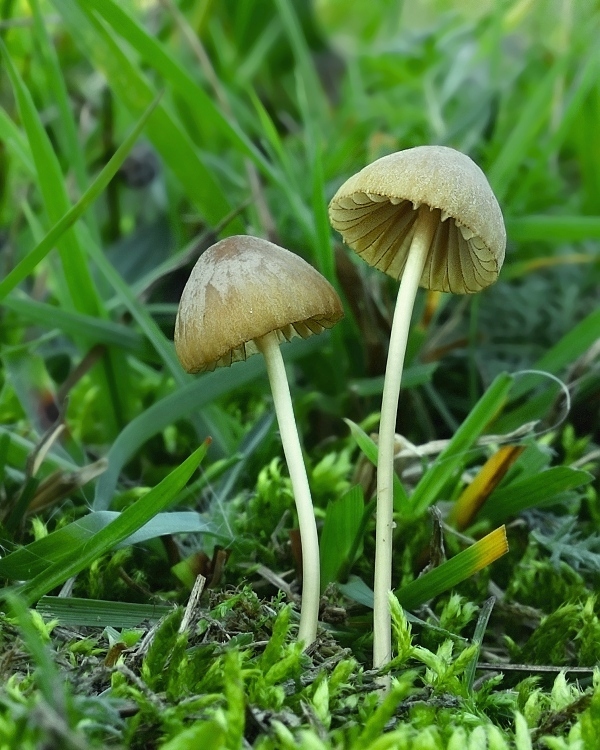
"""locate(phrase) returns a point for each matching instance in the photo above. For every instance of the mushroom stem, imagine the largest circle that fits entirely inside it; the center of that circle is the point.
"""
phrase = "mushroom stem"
(415, 263)
(309, 611)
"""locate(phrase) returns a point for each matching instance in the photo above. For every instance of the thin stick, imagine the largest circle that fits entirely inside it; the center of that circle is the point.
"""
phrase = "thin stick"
(415, 262)
(309, 611)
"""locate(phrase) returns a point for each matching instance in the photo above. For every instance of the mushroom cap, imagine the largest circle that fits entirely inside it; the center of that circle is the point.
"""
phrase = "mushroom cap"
(242, 288)
(376, 213)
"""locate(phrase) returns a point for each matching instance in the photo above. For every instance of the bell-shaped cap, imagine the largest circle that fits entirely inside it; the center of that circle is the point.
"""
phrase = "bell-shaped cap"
(241, 289)
(376, 213)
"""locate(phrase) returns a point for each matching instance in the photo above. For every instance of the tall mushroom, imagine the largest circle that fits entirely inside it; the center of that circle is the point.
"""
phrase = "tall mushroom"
(427, 216)
(246, 295)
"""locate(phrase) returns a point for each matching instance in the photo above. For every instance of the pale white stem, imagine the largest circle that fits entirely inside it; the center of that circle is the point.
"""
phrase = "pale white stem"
(309, 611)
(415, 262)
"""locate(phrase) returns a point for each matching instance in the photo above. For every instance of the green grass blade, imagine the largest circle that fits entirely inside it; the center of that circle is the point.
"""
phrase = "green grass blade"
(343, 521)
(512, 499)
(413, 376)
(127, 523)
(187, 400)
(47, 675)
(51, 183)
(447, 575)
(302, 55)
(65, 129)
(554, 229)
(434, 479)
(207, 114)
(29, 263)
(206, 423)
(31, 560)
(286, 177)
(324, 257)
(357, 590)
(133, 89)
(454, 571)
(255, 437)
(163, 346)
(516, 146)
(584, 82)
(20, 448)
(107, 376)
(93, 330)
(97, 613)
(369, 448)
(14, 142)
(518, 269)
(571, 346)
(478, 636)
(4, 446)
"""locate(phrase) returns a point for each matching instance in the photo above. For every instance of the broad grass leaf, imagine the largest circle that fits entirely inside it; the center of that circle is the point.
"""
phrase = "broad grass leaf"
(126, 524)
(447, 575)
(31, 560)
(76, 612)
(532, 491)
(452, 572)
(343, 522)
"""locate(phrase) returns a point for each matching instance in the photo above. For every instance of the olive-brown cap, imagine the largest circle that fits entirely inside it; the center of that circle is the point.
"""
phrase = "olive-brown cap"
(376, 211)
(241, 289)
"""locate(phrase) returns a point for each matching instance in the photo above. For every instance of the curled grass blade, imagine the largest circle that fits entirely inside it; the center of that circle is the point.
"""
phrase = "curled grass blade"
(571, 346)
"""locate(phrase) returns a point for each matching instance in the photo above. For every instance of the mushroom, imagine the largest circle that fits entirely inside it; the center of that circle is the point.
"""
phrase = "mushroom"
(427, 216)
(246, 295)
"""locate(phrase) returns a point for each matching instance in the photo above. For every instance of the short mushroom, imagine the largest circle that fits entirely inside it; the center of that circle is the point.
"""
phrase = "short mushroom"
(427, 216)
(246, 295)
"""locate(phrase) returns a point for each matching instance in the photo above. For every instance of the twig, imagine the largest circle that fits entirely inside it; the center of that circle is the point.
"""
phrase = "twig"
(191, 610)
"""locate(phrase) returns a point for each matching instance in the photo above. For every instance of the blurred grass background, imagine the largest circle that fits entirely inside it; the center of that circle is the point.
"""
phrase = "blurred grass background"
(132, 136)
(264, 108)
